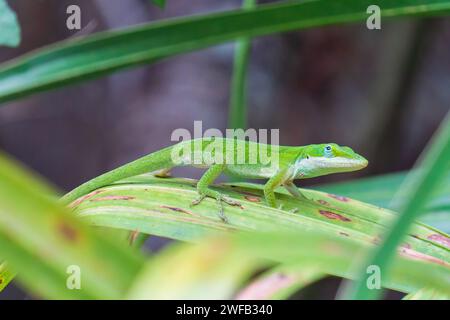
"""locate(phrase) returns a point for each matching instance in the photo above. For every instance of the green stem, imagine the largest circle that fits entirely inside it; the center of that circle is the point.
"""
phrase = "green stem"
(238, 100)
(417, 191)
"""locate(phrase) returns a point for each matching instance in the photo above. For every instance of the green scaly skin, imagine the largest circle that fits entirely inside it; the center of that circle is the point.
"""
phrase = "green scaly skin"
(293, 163)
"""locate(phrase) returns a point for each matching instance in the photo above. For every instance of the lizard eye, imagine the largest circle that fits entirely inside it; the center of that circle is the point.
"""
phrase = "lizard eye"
(327, 151)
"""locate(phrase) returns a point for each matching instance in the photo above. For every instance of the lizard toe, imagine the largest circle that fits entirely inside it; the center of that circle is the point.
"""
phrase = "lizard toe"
(231, 202)
(198, 200)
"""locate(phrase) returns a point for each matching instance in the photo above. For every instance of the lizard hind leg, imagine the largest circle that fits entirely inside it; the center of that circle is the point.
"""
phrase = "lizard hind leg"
(163, 173)
(293, 190)
(204, 191)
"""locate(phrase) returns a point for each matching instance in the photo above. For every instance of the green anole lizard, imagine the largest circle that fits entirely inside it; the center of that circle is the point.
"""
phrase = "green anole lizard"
(245, 160)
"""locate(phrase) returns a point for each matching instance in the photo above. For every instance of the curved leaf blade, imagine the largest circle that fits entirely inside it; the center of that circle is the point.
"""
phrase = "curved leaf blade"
(9, 26)
(41, 240)
(210, 270)
(426, 294)
(380, 190)
(6, 275)
(162, 207)
(279, 283)
(103, 53)
(221, 265)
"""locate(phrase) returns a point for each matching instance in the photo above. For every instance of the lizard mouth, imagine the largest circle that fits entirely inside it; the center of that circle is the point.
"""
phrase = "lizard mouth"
(342, 164)
(346, 163)
(319, 166)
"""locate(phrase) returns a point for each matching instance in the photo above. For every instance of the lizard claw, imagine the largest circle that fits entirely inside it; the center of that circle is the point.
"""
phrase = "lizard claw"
(198, 200)
(222, 215)
(220, 200)
(228, 201)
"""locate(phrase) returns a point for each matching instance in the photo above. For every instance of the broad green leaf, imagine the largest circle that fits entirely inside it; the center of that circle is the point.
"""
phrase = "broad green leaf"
(380, 191)
(103, 53)
(9, 26)
(427, 294)
(216, 268)
(6, 275)
(45, 245)
(279, 283)
(340, 256)
(162, 207)
(210, 271)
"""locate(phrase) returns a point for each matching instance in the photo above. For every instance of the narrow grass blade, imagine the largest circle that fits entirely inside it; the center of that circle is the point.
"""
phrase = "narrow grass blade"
(103, 53)
(238, 97)
(417, 191)
(9, 26)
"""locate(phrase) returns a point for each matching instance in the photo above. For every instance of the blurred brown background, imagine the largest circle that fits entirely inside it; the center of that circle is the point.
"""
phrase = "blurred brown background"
(382, 92)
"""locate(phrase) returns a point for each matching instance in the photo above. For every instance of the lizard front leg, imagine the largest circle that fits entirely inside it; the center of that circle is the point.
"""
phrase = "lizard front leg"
(204, 191)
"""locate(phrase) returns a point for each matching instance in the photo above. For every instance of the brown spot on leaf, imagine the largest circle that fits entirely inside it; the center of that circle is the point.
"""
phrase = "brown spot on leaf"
(323, 202)
(177, 209)
(340, 198)
(441, 239)
(344, 234)
(248, 193)
(68, 232)
(133, 236)
(421, 256)
(376, 240)
(406, 245)
(84, 198)
(253, 199)
(105, 198)
(334, 216)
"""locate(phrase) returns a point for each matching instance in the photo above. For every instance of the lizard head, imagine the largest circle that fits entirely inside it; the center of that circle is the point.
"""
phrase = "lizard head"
(322, 159)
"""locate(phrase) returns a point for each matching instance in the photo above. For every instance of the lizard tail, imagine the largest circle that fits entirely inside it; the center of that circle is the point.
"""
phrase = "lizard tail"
(155, 161)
